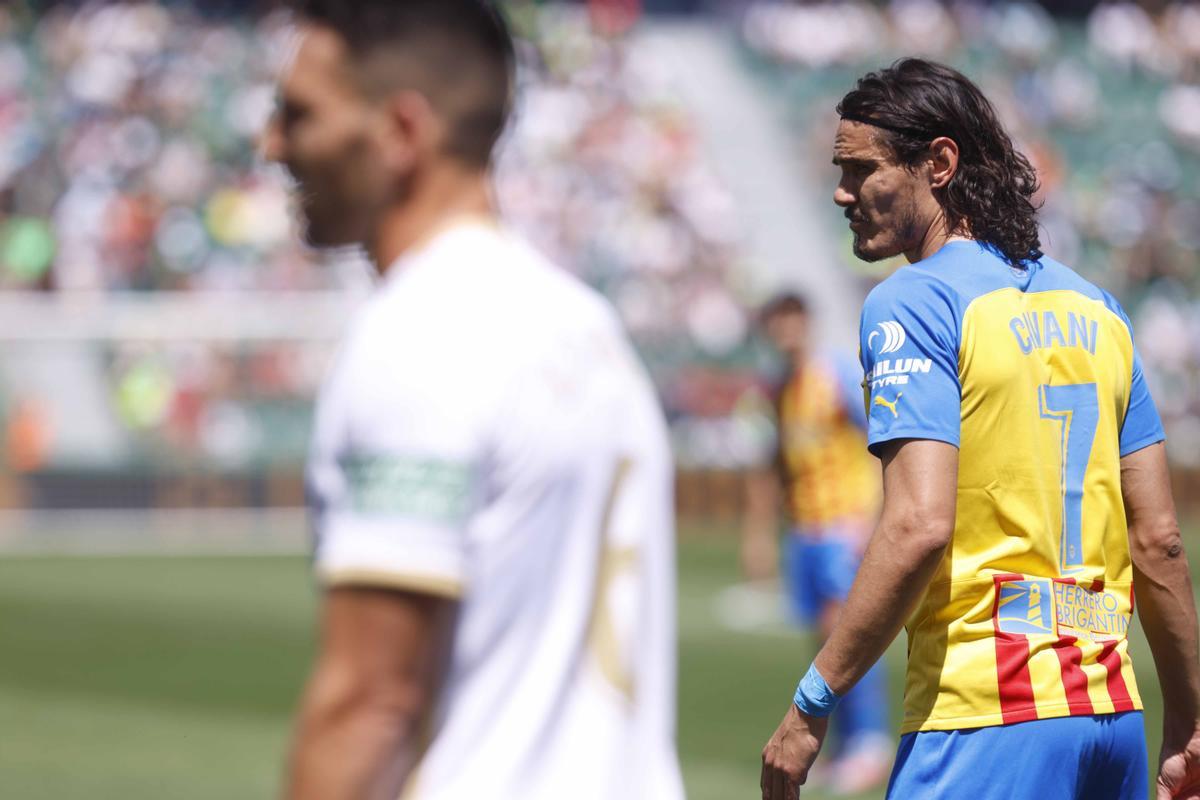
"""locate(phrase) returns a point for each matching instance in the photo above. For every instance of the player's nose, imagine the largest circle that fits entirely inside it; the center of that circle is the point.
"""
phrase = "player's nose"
(843, 197)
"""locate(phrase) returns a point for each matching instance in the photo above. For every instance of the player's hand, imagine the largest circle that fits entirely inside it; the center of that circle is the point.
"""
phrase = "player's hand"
(790, 753)
(1179, 768)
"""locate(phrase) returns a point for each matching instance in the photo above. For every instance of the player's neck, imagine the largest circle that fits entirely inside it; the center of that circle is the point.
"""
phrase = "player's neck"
(440, 201)
(799, 361)
(937, 234)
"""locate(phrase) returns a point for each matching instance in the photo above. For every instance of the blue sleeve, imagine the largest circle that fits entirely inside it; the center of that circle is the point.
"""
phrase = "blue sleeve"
(1142, 426)
(850, 386)
(909, 340)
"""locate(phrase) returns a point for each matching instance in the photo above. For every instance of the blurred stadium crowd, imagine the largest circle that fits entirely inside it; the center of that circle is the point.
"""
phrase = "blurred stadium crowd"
(128, 165)
(1107, 108)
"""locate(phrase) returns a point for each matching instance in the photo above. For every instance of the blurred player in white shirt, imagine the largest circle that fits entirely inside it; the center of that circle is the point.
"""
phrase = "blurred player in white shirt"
(490, 473)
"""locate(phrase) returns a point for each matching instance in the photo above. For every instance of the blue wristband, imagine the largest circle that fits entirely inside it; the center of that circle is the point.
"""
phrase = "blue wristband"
(813, 695)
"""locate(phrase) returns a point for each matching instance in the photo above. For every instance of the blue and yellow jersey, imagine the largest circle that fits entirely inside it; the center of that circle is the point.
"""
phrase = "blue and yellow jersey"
(828, 475)
(1033, 375)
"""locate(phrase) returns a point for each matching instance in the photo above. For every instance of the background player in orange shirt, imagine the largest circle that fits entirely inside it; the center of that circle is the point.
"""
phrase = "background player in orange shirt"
(829, 488)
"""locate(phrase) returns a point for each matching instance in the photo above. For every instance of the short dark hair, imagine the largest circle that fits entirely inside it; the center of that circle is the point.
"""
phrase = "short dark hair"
(460, 54)
(915, 101)
(781, 304)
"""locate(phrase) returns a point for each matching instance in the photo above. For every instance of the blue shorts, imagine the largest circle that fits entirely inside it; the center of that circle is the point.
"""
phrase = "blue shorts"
(818, 570)
(1101, 757)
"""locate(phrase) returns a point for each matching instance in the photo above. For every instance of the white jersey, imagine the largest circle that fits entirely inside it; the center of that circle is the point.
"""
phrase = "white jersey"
(487, 434)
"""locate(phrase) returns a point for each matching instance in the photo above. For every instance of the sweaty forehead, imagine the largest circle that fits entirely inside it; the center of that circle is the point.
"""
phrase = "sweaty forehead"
(857, 140)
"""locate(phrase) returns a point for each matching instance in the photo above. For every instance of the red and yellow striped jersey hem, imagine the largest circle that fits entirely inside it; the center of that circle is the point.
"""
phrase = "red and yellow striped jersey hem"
(1063, 654)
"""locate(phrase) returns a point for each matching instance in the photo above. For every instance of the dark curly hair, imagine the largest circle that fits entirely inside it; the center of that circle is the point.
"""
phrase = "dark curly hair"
(915, 101)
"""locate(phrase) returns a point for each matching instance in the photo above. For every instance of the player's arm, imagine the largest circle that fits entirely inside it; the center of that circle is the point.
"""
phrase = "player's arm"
(913, 426)
(358, 733)
(1167, 609)
(920, 479)
(920, 483)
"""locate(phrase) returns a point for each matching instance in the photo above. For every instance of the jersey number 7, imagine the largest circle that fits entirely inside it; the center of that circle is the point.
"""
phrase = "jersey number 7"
(1076, 409)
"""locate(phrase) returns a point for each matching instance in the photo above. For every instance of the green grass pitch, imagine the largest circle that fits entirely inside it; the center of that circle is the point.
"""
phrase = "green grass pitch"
(175, 678)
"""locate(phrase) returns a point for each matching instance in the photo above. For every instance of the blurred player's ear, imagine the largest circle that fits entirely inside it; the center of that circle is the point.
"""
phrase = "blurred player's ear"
(413, 132)
(943, 159)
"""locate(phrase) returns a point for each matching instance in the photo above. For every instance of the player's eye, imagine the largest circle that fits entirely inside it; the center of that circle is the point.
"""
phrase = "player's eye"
(291, 114)
(852, 173)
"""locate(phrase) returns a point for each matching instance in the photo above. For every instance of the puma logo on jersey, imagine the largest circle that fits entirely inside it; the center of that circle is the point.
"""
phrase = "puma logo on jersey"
(890, 405)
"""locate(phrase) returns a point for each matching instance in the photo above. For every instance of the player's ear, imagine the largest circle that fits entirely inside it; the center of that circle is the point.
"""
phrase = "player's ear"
(411, 131)
(943, 161)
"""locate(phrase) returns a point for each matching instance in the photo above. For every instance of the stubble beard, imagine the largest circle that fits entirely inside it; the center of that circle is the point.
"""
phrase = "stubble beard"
(334, 198)
(862, 254)
(906, 234)
(330, 220)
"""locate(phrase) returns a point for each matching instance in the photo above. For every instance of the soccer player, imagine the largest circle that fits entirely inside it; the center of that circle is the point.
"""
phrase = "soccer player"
(1026, 493)
(830, 491)
(490, 473)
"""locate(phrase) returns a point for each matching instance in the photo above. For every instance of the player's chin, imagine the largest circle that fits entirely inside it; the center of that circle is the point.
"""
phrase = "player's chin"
(322, 233)
(871, 249)
(315, 237)
(865, 252)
